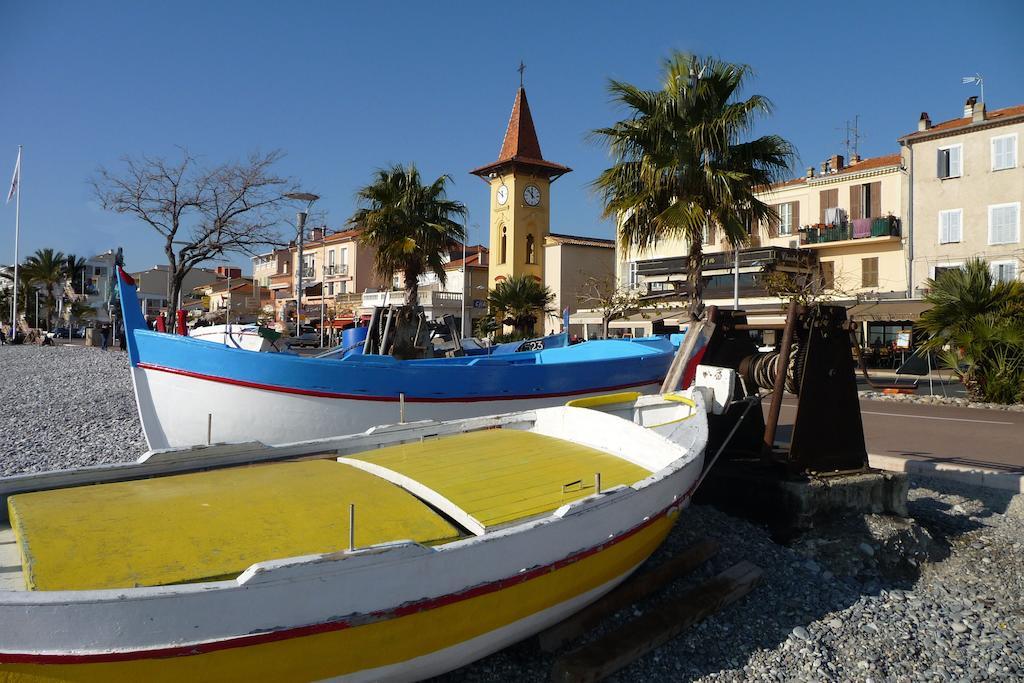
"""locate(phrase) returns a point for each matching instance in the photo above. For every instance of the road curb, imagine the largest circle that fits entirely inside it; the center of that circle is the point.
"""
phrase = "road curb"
(976, 476)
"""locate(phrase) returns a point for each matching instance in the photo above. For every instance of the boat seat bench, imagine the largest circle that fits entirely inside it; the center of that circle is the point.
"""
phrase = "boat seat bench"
(208, 525)
(214, 524)
(497, 476)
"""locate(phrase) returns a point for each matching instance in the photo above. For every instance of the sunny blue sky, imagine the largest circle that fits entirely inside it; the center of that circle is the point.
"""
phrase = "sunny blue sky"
(345, 88)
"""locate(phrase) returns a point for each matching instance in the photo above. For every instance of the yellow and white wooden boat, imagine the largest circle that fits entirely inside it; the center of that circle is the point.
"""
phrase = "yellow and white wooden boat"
(396, 554)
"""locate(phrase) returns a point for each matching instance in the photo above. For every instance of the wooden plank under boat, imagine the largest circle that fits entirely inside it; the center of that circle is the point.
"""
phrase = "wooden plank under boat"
(233, 562)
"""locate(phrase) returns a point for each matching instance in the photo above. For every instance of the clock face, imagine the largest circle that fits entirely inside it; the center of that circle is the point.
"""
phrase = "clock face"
(503, 194)
(532, 195)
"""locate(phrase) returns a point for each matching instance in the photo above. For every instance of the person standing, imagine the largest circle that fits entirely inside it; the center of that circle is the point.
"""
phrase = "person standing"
(104, 336)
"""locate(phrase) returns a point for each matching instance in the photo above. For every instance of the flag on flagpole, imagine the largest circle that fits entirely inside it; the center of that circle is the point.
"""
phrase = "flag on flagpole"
(16, 178)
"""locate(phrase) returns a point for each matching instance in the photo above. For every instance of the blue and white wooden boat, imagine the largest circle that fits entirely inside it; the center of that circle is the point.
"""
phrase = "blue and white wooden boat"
(193, 392)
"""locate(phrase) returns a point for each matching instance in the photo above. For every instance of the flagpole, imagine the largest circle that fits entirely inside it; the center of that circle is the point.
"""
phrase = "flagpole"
(17, 231)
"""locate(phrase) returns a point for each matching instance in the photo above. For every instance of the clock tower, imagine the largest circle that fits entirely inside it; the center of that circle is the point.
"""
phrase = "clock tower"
(520, 183)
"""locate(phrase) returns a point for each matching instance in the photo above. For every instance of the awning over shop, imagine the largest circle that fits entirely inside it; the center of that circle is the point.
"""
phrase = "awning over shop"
(894, 310)
(645, 319)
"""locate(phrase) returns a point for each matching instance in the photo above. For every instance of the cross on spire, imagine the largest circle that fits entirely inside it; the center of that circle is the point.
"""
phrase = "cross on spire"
(521, 69)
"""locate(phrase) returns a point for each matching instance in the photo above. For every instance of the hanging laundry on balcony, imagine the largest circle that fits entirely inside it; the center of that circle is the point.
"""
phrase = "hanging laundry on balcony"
(861, 227)
(835, 216)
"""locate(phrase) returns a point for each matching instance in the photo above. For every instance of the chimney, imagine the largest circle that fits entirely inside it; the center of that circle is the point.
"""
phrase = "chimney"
(854, 159)
(836, 162)
(969, 106)
(824, 168)
(316, 234)
(979, 113)
(925, 122)
(810, 171)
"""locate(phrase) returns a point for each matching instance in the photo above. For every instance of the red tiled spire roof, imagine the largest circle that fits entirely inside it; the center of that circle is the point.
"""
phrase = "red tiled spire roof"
(520, 144)
(520, 136)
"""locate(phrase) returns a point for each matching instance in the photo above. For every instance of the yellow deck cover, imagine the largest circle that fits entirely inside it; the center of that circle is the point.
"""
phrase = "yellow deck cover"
(208, 525)
(501, 475)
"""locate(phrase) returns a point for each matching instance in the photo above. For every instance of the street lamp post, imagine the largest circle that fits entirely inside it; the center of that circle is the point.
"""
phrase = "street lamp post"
(323, 276)
(300, 222)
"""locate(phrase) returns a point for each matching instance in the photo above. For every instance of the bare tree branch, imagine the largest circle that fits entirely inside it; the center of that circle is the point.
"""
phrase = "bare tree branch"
(203, 214)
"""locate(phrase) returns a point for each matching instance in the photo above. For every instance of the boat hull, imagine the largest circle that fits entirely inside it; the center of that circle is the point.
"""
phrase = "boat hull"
(398, 610)
(179, 409)
(425, 643)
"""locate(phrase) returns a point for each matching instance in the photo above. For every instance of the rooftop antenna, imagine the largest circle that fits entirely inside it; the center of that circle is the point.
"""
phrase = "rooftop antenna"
(521, 69)
(976, 79)
(853, 136)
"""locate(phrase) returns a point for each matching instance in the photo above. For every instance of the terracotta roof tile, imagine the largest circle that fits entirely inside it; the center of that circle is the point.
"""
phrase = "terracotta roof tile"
(580, 241)
(520, 144)
(862, 165)
(952, 124)
(873, 162)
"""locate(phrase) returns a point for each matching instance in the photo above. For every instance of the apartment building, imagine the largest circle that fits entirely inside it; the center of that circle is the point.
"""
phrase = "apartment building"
(336, 269)
(154, 286)
(850, 215)
(964, 188)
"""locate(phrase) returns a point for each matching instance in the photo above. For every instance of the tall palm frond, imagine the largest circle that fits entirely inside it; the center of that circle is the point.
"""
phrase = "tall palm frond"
(518, 302)
(46, 268)
(681, 162)
(410, 225)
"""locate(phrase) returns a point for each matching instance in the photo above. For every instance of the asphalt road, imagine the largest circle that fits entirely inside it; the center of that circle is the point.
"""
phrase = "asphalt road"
(966, 436)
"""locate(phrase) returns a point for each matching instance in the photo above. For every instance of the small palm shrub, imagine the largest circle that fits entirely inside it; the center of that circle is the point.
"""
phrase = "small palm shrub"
(976, 326)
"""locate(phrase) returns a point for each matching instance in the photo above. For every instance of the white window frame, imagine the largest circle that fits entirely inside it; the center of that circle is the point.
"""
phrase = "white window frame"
(1013, 147)
(1016, 227)
(993, 267)
(785, 218)
(948, 264)
(633, 277)
(960, 154)
(960, 236)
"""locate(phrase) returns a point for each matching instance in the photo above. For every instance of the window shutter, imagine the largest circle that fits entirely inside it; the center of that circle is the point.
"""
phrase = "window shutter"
(796, 216)
(876, 199)
(855, 196)
(773, 223)
(942, 170)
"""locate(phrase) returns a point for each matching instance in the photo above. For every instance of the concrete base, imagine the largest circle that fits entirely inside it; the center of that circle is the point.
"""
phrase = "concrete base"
(791, 505)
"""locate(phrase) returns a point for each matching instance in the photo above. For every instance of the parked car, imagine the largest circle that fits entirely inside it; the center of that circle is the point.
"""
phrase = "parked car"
(308, 336)
(62, 333)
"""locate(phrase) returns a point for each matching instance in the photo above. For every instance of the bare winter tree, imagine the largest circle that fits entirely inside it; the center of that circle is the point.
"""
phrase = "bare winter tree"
(601, 294)
(203, 213)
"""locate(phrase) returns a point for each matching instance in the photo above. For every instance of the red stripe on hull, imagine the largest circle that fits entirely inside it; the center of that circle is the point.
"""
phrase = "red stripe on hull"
(361, 397)
(313, 629)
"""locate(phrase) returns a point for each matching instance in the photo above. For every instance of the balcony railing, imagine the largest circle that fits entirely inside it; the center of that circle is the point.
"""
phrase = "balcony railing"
(888, 226)
(338, 270)
(427, 299)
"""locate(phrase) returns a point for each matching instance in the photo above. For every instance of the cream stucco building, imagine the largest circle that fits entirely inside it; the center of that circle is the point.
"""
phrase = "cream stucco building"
(964, 188)
(569, 263)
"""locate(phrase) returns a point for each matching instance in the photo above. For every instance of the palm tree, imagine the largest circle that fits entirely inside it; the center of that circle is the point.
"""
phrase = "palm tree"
(46, 269)
(681, 164)
(74, 270)
(518, 302)
(410, 225)
(977, 327)
(78, 311)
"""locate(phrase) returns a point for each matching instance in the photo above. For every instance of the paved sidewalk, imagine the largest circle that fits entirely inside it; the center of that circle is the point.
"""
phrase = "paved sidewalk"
(984, 447)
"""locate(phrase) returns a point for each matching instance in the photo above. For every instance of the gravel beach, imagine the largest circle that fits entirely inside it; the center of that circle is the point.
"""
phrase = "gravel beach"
(818, 613)
(65, 406)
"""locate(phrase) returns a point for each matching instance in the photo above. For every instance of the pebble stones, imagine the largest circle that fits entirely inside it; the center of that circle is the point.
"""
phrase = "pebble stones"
(939, 400)
(957, 617)
(65, 406)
